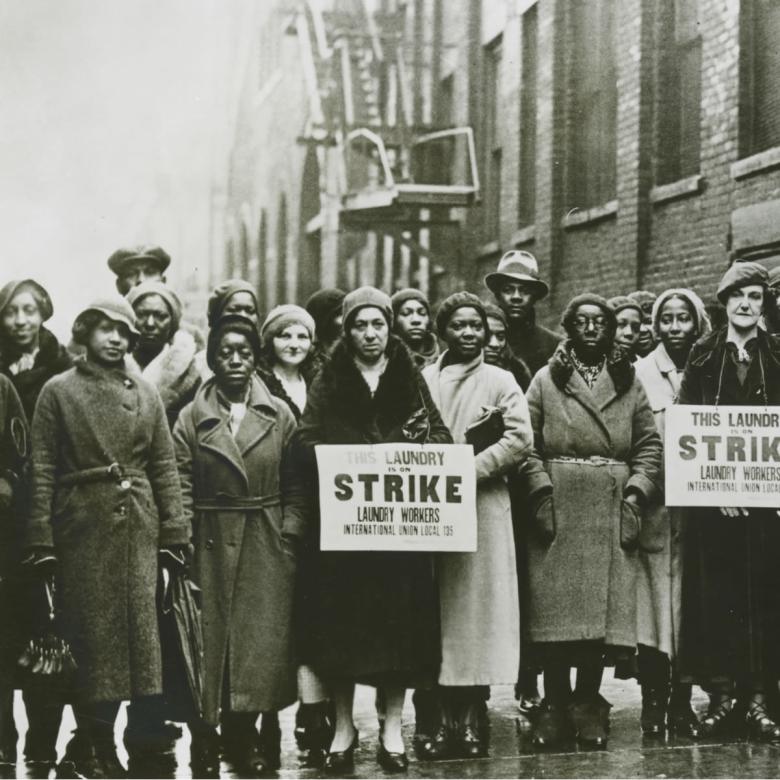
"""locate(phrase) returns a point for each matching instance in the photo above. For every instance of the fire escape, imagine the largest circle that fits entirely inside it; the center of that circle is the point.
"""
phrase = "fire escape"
(399, 177)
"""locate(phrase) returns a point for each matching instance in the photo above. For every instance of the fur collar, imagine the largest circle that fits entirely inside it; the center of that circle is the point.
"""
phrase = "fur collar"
(396, 397)
(173, 372)
(619, 367)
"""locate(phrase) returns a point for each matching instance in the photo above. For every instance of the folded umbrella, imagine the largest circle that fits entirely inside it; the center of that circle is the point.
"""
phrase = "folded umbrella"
(181, 634)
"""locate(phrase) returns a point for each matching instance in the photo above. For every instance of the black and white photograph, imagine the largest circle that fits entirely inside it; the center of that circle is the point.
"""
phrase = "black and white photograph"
(390, 388)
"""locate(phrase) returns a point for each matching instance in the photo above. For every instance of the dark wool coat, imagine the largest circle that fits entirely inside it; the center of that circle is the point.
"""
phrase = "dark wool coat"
(52, 359)
(106, 523)
(591, 447)
(14, 453)
(532, 343)
(731, 578)
(246, 502)
(369, 616)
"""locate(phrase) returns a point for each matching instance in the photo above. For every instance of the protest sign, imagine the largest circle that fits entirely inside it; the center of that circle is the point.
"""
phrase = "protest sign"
(723, 456)
(397, 497)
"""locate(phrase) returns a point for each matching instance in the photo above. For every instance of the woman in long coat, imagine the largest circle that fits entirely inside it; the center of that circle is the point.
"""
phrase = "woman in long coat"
(478, 594)
(105, 501)
(30, 355)
(730, 640)
(287, 367)
(14, 454)
(678, 320)
(245, 500)
(596, 464)
(371, 617)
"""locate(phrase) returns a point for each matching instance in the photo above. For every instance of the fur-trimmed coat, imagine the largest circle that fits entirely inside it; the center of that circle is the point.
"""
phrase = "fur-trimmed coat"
(52, 359)
(369, 616)
(174, 372)
(731, 584)
(591, 447)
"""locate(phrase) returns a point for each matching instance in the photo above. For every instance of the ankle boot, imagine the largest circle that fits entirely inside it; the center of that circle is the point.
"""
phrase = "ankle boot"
(654, 707)
(270, 739)
(425, 715)
(314, 731)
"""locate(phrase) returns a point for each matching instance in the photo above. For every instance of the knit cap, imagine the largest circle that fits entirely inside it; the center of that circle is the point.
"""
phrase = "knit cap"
(282, 316)
(360, 299)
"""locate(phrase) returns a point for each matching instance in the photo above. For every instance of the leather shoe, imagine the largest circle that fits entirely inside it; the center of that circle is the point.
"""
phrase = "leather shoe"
(552, 727)
(438, 747)
(716, 721)
(341, 762)
(761, 727)
(470, 742)
(395, 763)
(682, 721)
(590, 724)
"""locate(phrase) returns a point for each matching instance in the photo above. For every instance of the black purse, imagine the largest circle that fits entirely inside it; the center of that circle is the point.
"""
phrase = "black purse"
(486, 430)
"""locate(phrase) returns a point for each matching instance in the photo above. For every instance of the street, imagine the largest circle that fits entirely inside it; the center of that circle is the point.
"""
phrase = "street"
(511, 754)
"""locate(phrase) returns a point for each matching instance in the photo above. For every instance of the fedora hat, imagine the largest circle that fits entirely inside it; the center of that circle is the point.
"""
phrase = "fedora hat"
(517, 266)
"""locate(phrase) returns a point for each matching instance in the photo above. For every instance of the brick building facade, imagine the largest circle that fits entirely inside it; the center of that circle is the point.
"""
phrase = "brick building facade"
(626, 143)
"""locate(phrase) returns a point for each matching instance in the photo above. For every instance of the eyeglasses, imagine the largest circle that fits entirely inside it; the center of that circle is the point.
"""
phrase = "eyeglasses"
(598, 323)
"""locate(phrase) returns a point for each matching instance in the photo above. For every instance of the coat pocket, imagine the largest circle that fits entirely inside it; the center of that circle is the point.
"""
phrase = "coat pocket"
(654, 531)
(544, 520)
(630, 525)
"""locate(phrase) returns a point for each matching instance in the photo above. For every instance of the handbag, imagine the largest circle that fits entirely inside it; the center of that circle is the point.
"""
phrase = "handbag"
(486, 430)
(417, 428)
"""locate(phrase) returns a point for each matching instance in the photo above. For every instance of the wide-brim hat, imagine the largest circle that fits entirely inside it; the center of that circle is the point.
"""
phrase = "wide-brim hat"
(146, 252)
(114, 308)
(517, 265)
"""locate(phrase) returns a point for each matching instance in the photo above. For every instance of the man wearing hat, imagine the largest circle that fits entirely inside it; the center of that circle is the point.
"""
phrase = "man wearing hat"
(133, 265)
(517, 287)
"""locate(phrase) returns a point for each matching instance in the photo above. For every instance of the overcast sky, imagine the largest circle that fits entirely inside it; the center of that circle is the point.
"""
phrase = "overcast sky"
(109, 114)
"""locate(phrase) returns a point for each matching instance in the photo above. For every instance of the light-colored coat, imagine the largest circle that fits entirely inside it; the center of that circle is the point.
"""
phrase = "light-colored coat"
(478, 595)
(106, 524)
(591, 447)
(660, 570)
(246, 505)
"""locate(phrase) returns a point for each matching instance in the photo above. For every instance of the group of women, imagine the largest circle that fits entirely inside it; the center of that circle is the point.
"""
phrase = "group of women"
(138, 451)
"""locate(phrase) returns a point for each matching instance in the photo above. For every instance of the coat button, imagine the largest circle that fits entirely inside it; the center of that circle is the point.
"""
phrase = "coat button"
(209, 544)
(125, 484)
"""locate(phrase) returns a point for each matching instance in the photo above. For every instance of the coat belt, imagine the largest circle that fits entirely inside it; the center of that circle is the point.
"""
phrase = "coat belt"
(227, 502)
(593, 460)
(114, 472)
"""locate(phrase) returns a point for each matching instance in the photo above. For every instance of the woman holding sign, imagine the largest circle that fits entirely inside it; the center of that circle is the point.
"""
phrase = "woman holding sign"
(678, 320)
(596, 466)
(478, 595)
(730, 639)
(371, 617)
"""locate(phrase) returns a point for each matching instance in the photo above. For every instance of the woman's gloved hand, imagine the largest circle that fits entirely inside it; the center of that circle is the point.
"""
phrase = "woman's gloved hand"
(41, 562)
(544, 519)
(176, 557)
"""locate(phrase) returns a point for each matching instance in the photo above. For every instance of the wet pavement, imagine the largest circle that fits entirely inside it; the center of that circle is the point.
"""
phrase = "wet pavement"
(511, 754)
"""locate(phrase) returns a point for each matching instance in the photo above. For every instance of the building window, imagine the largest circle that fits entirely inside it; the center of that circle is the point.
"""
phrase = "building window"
(445, 114)
(281, 251)
(592, 104)
(678, 90)
(244, 251)
(760, 76)
(491, 139)
(529, 60)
